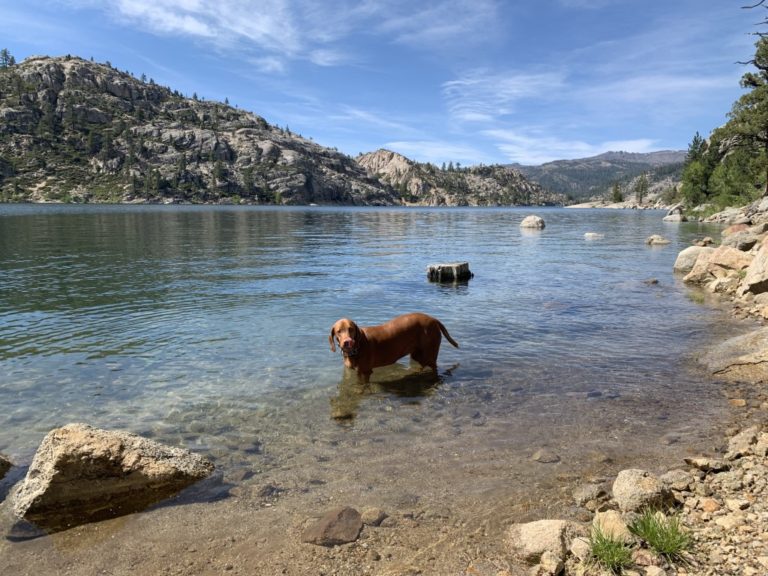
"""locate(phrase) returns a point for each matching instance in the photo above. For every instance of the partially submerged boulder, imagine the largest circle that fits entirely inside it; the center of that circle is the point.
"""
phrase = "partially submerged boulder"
(656, 240)
(533, 221)
(453, 272)
(82, 474)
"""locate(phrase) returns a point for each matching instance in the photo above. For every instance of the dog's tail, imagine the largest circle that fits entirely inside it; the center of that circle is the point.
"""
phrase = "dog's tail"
(447, 336)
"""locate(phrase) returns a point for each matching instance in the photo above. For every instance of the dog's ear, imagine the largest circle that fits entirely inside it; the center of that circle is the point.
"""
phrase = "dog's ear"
(331, 338)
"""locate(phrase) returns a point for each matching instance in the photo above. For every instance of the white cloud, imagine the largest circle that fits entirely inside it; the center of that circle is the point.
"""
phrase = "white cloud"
(484, 96)
(534, 147)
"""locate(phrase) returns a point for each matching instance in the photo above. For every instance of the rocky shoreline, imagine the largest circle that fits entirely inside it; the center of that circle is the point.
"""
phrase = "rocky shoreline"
(721, 502)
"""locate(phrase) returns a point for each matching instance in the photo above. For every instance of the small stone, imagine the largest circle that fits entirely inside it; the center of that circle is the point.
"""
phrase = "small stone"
(587, 492)
(729, 522)
(709, 505)
(737, 402)
(545, 456)
(581, 548)
(736, 504)
(373, 516)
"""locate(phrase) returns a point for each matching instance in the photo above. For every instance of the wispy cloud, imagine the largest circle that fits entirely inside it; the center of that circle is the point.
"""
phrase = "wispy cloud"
(290, 30)
(436, 151)
(456, 22)
(378, 121)
(481, 95)
(534, 147)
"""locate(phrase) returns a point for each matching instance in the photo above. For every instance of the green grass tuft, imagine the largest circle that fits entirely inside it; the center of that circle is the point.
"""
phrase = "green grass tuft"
(663, 534)
(610, 554)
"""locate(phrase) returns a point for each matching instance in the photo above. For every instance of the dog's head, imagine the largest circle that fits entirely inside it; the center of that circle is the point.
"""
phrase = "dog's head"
(347, 334)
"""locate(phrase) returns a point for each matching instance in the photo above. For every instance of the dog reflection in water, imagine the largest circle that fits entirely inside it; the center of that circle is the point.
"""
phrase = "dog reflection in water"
(396, 380)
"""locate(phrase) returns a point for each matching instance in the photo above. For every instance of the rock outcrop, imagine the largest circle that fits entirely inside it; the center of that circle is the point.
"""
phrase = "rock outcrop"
(74, 130)
(78, 131)
(81, 474)
(426, 184)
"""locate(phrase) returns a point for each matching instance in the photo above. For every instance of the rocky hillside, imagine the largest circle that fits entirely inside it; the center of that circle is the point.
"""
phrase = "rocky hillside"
(593, 178)
(425, 184)
(74, 130)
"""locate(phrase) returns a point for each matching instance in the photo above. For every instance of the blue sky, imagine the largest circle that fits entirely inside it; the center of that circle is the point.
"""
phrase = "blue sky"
(468, 81)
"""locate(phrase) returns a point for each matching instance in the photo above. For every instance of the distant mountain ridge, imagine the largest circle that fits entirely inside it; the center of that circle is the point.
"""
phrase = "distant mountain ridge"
(588, 178)
(424, 183)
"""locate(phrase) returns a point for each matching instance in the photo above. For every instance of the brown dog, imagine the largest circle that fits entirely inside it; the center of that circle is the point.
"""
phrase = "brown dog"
(369, 347)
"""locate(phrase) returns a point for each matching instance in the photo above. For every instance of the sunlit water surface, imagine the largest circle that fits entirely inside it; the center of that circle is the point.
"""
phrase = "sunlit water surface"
(208, 327)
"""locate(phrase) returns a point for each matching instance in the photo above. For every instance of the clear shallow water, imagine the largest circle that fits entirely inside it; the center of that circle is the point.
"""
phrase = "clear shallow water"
(208, 326)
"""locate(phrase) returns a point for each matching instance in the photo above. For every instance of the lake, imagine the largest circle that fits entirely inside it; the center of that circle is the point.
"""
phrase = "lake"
(207, 327)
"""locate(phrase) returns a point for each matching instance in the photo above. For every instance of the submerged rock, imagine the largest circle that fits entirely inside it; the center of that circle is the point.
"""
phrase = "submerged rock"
(339, 526)
(82, 474)
(656, 240)
(5, 465)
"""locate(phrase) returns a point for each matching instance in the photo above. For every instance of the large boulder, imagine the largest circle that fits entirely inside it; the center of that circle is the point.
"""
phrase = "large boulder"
(743, 240)
(635, 489)
(741, 358)
(718, 263)
(687, 258)
(756, 278)
(530, 541)
(81, 474)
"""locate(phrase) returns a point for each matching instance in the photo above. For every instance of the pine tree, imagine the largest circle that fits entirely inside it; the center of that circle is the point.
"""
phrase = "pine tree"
(641, 188)
(6, 59)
